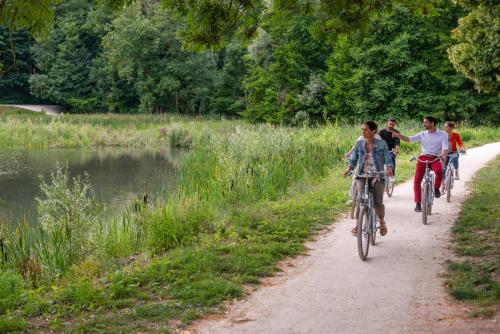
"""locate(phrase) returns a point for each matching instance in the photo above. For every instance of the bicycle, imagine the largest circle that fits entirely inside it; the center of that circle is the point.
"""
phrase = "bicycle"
(450, 175)
(354, 196)
(427, 189)
(367, 220)
(390, 180)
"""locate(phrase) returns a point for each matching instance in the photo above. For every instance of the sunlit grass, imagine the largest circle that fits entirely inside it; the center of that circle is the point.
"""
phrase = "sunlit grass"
(474, 275)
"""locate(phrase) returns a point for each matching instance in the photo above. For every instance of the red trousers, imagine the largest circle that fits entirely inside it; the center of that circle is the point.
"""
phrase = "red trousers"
(436, 166)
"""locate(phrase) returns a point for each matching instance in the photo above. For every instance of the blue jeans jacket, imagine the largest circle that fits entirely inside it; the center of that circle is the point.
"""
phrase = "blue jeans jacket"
(380, 153)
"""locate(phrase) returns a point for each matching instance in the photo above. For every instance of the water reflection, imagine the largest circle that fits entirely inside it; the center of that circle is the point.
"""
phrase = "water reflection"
(116, 175)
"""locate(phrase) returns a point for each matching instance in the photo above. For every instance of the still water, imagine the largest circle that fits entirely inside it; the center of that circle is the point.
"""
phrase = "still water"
(116, 175)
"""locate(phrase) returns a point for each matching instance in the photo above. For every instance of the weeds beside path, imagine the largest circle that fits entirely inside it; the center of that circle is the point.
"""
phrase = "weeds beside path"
(475, 275)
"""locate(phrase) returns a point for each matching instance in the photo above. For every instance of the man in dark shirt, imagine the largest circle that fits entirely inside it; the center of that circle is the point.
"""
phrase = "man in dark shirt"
(392, 143)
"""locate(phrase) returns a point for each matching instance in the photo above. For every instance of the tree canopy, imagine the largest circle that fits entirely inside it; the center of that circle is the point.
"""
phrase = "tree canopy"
(477, 52)
(278, 61)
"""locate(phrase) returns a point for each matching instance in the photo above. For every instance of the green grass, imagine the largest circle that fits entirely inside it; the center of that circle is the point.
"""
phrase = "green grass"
(475, 276)
(247, 197)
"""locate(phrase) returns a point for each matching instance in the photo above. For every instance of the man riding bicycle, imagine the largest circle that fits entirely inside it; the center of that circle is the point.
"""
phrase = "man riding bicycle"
(434, 143)
(392, 142)
(370, 155)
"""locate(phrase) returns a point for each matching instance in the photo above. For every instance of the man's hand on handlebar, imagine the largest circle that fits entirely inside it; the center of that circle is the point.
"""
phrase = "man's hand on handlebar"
(443, 155)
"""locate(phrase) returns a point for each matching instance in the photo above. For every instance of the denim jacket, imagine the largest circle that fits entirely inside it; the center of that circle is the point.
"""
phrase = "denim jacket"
(380, 153)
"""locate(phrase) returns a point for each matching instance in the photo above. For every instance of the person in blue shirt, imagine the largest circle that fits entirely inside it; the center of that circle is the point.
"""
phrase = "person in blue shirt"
(370, 155)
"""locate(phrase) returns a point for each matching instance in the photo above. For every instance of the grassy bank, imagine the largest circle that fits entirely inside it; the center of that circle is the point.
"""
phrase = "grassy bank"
(24, 129)
(474, 277)
(248, 196)
(20, 129)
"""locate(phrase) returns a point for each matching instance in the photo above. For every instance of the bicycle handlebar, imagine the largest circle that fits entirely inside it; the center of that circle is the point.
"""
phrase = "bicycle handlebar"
(370, 174)
(425, 161)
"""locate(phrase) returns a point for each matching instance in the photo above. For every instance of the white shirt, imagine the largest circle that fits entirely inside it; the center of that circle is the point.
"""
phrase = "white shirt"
(432, 142)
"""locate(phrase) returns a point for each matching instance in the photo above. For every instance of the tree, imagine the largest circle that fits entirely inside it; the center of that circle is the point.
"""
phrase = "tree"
(229, 93)
(212, 24)
(33, 15)
(400, 68)
(14, 83)
(477, 52)
(280, 63)
(145, 67)
(64, 61)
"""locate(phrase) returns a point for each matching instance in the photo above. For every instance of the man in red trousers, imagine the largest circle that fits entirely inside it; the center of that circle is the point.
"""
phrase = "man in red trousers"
(434, 143)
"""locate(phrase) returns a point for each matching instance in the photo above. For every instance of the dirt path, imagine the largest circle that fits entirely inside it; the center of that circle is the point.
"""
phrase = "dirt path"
(398, 290)
(48, 109)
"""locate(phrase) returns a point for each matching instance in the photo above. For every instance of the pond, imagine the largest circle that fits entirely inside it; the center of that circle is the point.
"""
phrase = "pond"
(116, 175)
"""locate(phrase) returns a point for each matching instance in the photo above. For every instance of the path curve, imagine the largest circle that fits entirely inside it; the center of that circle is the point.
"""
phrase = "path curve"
(48, 109)
(398, 290)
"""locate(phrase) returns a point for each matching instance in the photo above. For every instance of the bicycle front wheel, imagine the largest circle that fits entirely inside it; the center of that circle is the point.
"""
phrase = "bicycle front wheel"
(390, 188)
(363, 236)
(424, 203)
(448, 187)
(373, 232)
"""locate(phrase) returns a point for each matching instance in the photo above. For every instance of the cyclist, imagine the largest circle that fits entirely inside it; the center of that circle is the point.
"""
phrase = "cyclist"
(370, 154)
(352, 191)
(434, 143)
(392, 142)
(453, 155)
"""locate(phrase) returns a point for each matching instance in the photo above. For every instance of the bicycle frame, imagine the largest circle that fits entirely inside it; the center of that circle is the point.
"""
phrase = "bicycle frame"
(428, 186)
(449, 173)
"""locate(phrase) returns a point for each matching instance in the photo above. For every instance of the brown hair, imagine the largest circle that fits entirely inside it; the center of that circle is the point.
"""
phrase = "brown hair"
(372, 125)
(450, 124)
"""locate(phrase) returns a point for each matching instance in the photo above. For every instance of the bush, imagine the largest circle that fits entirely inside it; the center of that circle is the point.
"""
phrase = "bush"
(179, 137)
(12, 291)
(68, 215)
(81, 295)
(12, 324)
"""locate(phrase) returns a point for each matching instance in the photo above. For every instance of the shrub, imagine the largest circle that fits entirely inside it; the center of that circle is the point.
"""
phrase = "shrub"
(12, 291)
(68, 217)
(10, 324)
(179, 137)
(81, 295)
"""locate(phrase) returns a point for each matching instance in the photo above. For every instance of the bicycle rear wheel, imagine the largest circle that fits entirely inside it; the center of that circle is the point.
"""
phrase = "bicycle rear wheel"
(354, 205)
(363, 236)
(430, 199)
(424, 203)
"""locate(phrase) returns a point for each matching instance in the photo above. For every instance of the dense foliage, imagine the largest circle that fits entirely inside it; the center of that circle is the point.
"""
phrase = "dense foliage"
(400, 68)
(14, 85)
(477, 52)
(283, 61)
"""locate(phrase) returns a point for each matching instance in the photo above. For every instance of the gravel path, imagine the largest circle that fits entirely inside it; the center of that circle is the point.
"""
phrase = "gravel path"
(48, 109)
(398, 290)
